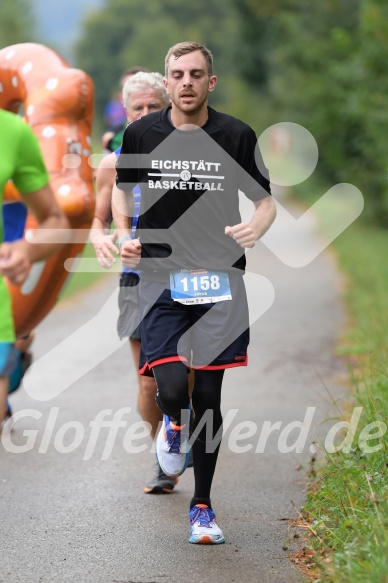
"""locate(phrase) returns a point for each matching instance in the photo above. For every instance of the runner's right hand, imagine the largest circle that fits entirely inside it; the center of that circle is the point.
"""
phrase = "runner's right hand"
(103, 245)
(131, 253)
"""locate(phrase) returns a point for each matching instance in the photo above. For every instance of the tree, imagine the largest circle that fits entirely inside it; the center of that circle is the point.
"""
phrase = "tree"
(16, 22)
(323, 66)
(133, 32)
(257, 38)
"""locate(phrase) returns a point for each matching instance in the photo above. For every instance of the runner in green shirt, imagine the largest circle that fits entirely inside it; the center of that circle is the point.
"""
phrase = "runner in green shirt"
(22, 162)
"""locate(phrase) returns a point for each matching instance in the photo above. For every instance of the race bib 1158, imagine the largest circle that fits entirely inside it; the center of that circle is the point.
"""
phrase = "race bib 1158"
(200, 286)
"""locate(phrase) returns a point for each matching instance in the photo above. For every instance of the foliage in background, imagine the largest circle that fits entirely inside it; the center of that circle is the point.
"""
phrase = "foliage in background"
(318, 64)
(133, 32)
(16, 22)
(323, 65)
(328, 75)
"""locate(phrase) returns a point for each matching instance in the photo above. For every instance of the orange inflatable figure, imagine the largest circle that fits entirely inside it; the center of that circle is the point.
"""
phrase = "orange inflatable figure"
(58, 105)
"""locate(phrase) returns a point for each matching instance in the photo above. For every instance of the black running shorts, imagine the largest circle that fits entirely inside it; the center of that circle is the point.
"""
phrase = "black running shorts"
(203, 336)
(129, 318)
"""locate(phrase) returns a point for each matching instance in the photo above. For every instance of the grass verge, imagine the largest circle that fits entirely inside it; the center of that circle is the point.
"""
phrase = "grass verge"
(346, 513)
(80, 280)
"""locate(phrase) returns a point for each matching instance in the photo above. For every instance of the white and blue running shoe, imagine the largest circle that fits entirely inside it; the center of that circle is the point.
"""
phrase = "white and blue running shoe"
(172, 445)
(204, 529)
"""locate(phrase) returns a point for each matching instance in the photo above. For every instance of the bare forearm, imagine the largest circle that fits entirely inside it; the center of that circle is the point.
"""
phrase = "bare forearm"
(54, 229)
(53, 232)
(98, 228)
(122, 211)
(17, 257)
(103, 242)
(263, 217)
(246, 234)
(105, 180)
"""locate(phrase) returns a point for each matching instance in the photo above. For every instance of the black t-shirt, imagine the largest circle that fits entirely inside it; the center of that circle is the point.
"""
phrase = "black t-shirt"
(190, 182)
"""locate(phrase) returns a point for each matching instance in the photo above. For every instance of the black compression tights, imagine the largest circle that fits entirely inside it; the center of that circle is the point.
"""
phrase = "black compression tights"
(171, 380)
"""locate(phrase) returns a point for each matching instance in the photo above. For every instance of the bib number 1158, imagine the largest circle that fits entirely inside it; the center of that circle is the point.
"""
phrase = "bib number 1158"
(203, 282)
(200, 287)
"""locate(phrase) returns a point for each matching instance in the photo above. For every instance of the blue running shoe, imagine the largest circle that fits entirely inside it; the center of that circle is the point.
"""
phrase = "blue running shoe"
(204, 529)
(172, 447)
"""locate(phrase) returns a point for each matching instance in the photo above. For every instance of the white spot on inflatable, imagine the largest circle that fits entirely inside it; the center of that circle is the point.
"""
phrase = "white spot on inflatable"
(30, 110)
(52, 83)
(64, 190)
(27, 68)
(49, 132)
(71, 161)
(14, 81)
(1, 88)
(9, 55)
(89, 141)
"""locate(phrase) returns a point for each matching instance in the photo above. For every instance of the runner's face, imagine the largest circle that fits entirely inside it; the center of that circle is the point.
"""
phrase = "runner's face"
(188, 82)
(142, 103)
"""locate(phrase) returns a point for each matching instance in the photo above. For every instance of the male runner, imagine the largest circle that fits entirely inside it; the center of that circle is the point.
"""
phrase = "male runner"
(143, 93)
(22, 162)
(190, 162)
(111, 140)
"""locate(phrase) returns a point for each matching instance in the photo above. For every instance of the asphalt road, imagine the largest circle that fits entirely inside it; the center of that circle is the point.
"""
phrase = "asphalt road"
(72, 505)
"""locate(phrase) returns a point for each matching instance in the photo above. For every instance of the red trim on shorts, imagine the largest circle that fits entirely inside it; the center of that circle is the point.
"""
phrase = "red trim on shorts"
(223, 366)
(220, 366)
(144, 368)
(149, 365)
(167, 359)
